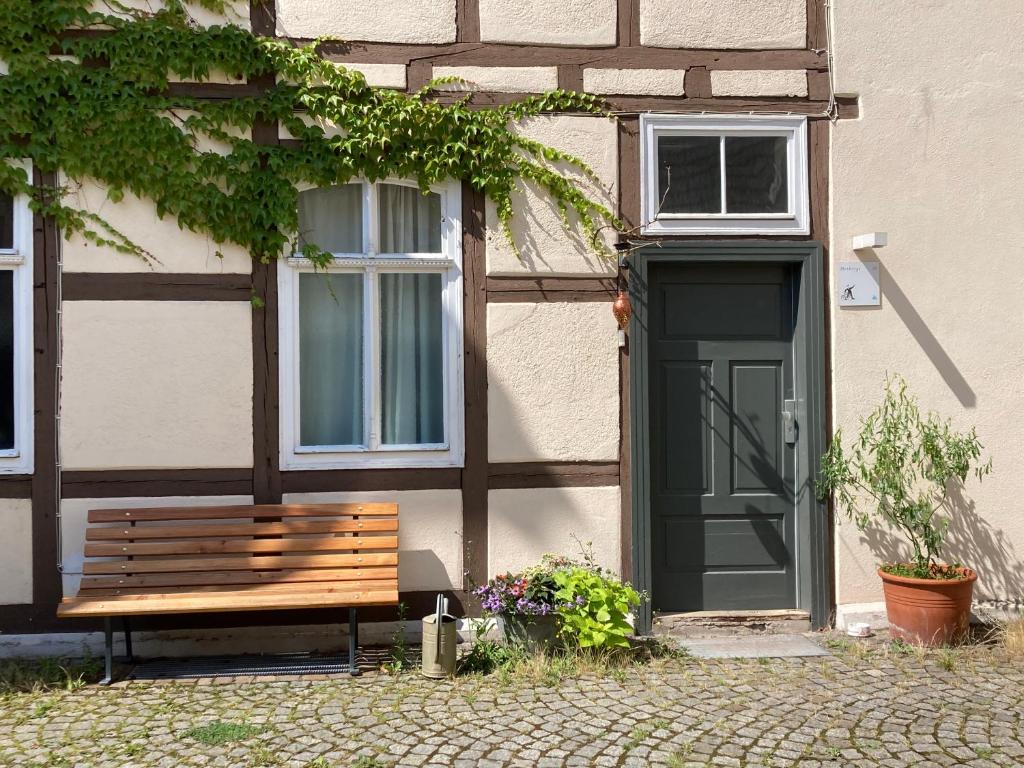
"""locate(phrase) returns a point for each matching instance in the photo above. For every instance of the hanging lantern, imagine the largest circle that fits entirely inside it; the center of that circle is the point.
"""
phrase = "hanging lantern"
(622, 309)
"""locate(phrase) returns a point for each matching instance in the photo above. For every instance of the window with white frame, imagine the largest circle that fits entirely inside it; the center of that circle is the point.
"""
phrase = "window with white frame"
(371, 352)
(16, 427)
(724, 174)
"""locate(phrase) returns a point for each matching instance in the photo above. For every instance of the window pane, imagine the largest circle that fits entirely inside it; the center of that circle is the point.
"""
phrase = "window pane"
(755, 174)
(6, 221)
(6, 359)
(410, 222)
(690, 174)
(332, 218)
(411, 359)
(331, 359)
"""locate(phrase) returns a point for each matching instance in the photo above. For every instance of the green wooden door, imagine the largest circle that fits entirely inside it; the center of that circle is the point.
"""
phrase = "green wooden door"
(722, 391)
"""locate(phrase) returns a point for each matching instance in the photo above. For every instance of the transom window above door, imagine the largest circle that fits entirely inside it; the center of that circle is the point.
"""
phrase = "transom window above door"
(724, 175)
(371, 347)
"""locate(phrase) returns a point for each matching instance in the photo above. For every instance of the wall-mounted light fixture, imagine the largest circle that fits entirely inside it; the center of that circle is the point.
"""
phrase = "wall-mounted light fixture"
(870, 240)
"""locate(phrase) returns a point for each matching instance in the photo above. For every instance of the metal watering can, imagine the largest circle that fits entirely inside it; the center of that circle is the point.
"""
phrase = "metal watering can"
(439, 642)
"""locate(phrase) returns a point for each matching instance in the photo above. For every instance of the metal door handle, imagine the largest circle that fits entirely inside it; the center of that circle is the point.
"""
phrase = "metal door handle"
(789, 426)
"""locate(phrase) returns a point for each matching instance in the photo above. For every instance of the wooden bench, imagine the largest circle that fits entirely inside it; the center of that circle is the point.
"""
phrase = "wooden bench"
(169, 560)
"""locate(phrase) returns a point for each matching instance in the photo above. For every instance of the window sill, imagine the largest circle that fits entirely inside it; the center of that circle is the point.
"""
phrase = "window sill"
(313, 462)
(738, 226)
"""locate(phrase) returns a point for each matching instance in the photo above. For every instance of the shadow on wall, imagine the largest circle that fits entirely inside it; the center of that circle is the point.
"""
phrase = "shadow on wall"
(972, 541)
(894, 296)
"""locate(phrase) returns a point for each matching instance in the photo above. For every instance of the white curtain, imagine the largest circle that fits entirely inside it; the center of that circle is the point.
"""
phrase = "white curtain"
(332, 218)
(410, 222)
(412, 359)
(331, 359)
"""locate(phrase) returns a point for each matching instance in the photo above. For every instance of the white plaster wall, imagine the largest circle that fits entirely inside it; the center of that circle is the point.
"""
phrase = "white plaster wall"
(553, 382)
(173, 248)
(380, 75)
(526, 524)
(758, 82)
(544, 245)
(156, 384)
(237, 11)
(74, 520)
(501, 79)
(429, 533)
(934, 160)
(16, 551)
(723, 23)
(648, 82)
(549, 22)
(392, 21)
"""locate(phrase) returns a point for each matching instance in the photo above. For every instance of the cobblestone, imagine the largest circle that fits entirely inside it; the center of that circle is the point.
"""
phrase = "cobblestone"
(855, 708)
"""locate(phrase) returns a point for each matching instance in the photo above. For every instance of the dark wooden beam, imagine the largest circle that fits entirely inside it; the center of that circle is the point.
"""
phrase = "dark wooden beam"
(553, 474)
(112, 483)
(155, 286)
(337, 480)
(474, 473)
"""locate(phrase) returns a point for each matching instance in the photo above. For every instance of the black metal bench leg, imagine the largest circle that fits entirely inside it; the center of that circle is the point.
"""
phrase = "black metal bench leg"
(127, 627)
(353, 642)
(108, 651)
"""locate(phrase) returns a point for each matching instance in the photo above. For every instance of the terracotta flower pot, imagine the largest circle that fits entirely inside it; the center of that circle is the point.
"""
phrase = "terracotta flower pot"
(928, 611)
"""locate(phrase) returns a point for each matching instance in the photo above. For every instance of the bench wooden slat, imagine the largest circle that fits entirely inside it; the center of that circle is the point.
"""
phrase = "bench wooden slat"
(154, 581)
(227, 546)
(239, 563)
(242, 512)
(250, 589)
(284, 528)
(227, 601)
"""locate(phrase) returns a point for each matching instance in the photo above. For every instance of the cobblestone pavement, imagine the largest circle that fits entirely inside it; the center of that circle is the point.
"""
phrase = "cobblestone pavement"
(883, 707)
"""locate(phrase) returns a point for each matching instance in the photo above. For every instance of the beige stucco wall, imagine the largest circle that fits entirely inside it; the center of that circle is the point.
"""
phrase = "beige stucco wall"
(649, 82)
(381, 75)
(500, 79)
(544, 244)
(548, 22)
(237, 10)
(934, 160)
(74, 518)
(723, 23)
(393, 21)
(758, 82)
(429, 533)
(156, 384)
(173, 249)
(553, 382)
(16, 551)
(525, 524)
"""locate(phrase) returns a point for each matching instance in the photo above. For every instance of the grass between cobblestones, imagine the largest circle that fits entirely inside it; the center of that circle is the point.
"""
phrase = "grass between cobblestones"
(873, 703)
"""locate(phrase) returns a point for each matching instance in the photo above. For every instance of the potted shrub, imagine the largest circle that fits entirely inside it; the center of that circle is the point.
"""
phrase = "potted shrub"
(899, 473)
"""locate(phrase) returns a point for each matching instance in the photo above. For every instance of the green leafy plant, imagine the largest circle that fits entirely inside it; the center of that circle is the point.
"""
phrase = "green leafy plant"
(105, 109)
(219, 732)
(900, 471)
(487, 656)
(595, 607)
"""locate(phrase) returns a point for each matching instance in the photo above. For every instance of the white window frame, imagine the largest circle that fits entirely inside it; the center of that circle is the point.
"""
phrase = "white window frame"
(18, 260)
(795, 221)
(371, 263)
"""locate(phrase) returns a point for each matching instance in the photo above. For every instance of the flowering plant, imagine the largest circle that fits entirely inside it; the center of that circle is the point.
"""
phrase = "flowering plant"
(529, 593)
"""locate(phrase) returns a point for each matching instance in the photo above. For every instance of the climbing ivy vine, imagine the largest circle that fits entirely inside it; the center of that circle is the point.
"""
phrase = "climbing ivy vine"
(97, 106)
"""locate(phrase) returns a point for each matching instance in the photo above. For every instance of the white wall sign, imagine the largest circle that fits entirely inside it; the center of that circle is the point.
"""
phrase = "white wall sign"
(857, 284)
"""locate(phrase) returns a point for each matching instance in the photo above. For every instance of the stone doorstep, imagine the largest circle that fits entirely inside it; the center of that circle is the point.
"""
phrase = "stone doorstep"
(696, 624)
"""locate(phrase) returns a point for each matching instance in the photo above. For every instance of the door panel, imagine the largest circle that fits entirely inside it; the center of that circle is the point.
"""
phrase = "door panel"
(722, 475)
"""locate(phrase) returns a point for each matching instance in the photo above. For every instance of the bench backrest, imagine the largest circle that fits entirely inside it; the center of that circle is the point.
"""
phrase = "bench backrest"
(292, 547)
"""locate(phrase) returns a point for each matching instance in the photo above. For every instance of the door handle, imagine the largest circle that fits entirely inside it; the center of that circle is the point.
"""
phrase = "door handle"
(789, 425)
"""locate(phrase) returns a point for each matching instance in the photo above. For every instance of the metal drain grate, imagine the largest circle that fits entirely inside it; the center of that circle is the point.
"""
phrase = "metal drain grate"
(247, 666)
